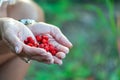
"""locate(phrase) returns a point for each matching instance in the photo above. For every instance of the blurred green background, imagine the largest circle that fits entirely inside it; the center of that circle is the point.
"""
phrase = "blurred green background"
(91, 26)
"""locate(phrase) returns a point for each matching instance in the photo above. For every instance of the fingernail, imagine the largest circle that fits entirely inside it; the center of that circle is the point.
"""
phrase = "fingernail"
(70, 44)
(61, 55)
(60, 63)
(67, 51)
(17, 49)
(52, 61)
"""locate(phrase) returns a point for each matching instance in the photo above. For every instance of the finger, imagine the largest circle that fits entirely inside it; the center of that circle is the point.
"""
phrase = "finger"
(43, 59)
(58, 35)
(33, 51)
(38, 54)
(60, 55)
(14, 42)
(59, 47)
(57, 60)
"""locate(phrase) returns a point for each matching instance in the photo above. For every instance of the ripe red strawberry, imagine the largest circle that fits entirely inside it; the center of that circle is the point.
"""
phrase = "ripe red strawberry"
(51, 47)
(25, 41)
(30, 44)
(44, 37)
(53, 52)
(36, 45)
(41, 45)
(30, 40)
(44, 41)
(46, 48)
(38, 38)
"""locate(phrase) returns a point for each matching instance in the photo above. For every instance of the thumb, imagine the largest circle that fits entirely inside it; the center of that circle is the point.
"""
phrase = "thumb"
(18, 47)
(14, 43)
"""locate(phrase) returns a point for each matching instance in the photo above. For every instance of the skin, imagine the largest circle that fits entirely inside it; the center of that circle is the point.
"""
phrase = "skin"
(7, 58)
(9, 61)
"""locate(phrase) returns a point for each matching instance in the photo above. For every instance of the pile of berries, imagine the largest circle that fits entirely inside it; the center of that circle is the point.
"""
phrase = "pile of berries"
(42, 42)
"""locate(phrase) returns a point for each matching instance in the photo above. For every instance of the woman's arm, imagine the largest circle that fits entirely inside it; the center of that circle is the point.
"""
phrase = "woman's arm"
(0, 30)
(1, 25)
(26, 9)
(5, 53)
(2, 21)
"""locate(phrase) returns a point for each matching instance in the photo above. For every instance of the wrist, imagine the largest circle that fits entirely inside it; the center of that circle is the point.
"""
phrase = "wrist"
(28, 22)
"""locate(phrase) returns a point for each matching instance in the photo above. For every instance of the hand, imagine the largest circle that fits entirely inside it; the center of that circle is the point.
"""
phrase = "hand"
(14, 33)
(55, 37)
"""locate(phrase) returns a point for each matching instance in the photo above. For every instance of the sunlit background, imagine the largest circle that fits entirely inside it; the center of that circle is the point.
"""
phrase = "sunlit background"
(91, 26)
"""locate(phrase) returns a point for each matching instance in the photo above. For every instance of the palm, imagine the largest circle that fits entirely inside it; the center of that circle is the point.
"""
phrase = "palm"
(55, 37)
(15, 34)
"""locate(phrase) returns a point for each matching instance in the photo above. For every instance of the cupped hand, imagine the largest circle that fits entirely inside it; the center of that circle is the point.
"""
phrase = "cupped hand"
(14, 33)
(56, 38)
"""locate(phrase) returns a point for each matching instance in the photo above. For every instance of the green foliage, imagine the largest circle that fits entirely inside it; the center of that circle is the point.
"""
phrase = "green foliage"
(59, 11)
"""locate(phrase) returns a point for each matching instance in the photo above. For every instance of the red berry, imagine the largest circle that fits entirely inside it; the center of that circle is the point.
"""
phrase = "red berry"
(32, 41)
(51, 47)
(25, 41)
(41, 46)
(54, 52)
(44, 37)
(29, 38)
(36, 45)
(38, 38)
(45, 44)
(30, 44)
(46, 48)
(44, 41)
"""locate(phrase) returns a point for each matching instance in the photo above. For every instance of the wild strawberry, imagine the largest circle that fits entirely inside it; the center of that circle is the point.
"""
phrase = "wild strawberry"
(44, 41)
(51, 47)
(46, 48)
(36, 45)
(41, 46)
(44, 37)
(29, 38)
(30, 44)
(53, 52)
(25, 41)
(38, 38)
